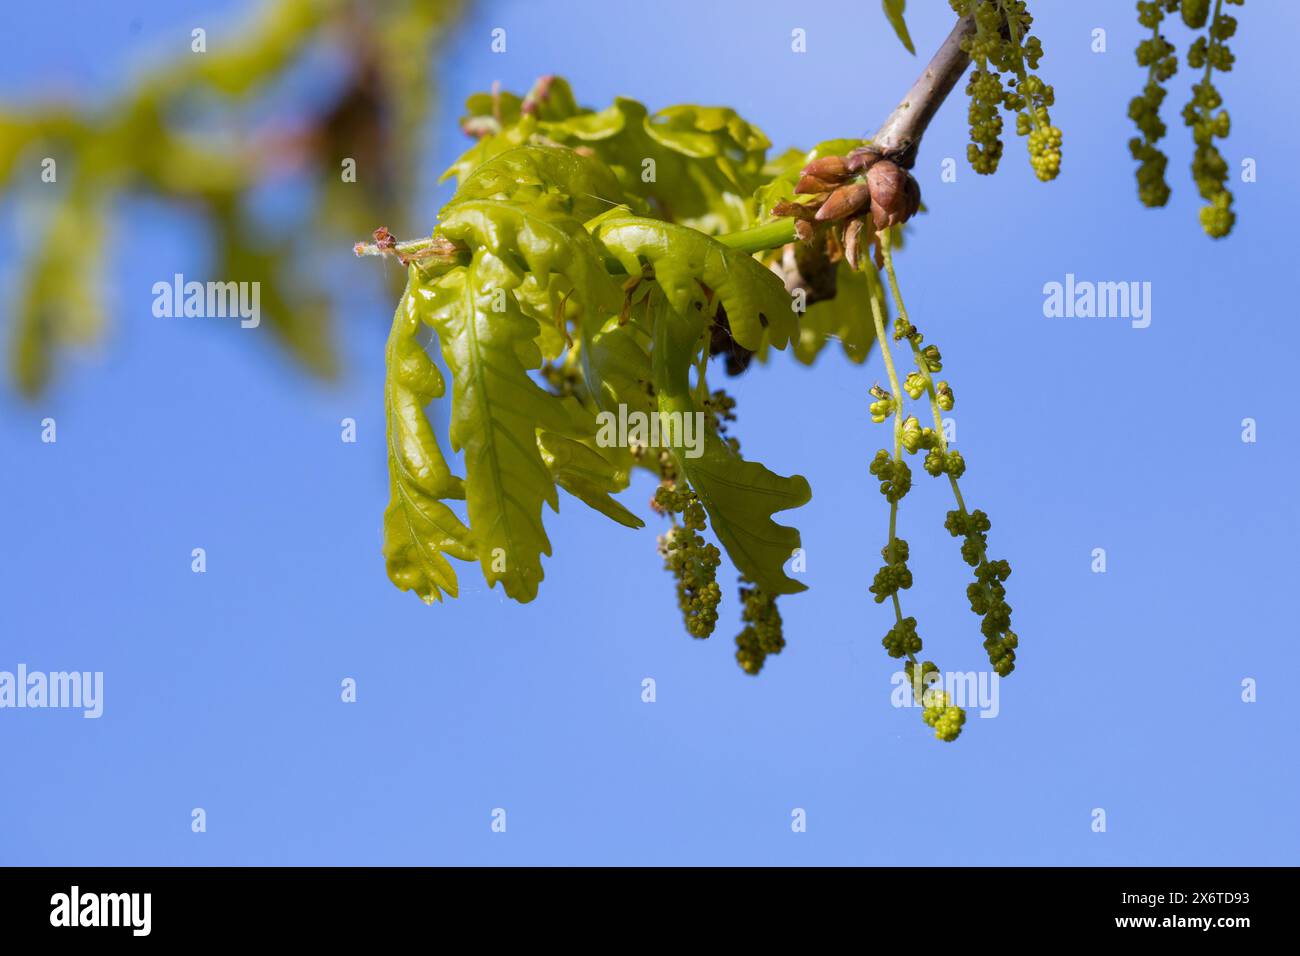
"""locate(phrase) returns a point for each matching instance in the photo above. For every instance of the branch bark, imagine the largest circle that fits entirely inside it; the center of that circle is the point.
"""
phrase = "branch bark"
(899, 137)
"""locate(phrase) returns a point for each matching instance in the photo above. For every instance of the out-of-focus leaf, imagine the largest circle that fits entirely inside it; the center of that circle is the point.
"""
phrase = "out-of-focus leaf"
(60, 304)
(845, 319)
(282, 31)
(894, 12)
(301, 319)
(168, 136)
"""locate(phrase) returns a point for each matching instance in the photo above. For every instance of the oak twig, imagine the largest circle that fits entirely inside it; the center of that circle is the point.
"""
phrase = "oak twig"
(899, 136)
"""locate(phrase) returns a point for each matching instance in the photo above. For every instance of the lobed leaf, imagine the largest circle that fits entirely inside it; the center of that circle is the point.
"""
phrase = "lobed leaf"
(419, 529)
(740, 496)
(697, 165)
(533, 238)
(755, 299)
(496, 411)
(846, 318)
(545, 176)
(588, 473)
(623, 365)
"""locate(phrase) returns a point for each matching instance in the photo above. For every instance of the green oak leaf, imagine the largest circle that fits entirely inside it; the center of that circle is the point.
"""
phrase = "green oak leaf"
(758, 307)
(554, 176)
(740, 496)
(545, 242)
(845, 319)
(588, 473)
(542, 241)
(419, 529)
(496, 411)
(697, 165)
(623, 365)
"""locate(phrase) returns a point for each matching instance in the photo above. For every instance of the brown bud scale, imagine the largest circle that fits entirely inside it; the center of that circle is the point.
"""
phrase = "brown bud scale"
(862, 158)
(811, 184)
(831, 169)
(844, 202)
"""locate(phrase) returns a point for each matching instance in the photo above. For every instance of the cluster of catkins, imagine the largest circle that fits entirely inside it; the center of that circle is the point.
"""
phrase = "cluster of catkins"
(999, 45)
(841, 196)
(693, 563)
(987, 593)
(940, 712)
(762, 633)
(1203, 113)
(720, 408)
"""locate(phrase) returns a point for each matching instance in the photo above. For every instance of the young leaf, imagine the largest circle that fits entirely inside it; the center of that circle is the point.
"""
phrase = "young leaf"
(298, 316)
(541, 241)
(693, 164)
(696, 165)
(588, 474)
(579, 186)
(496, 411)
(894, 11)
(846, 318)
(682, 258)
(532, 238)
(418, 528)
(740, 496)
(623, 365)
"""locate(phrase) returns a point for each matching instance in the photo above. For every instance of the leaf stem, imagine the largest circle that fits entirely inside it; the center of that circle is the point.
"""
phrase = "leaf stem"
(429, 250)
(771, 235)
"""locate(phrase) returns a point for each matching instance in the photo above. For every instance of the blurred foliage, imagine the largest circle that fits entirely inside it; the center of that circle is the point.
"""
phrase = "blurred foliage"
(185, 132)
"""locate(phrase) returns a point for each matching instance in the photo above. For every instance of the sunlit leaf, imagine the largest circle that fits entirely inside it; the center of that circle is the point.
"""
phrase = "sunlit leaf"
(419, 529)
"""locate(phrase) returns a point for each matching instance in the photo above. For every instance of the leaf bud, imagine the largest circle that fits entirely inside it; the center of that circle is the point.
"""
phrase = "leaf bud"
(844, 202)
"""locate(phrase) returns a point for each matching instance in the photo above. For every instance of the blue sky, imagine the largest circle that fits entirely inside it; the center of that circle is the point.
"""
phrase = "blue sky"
(222, 689)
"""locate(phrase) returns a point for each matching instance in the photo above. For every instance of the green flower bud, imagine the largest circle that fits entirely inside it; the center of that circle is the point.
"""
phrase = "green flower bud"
(933, 360)
(912, 434)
